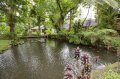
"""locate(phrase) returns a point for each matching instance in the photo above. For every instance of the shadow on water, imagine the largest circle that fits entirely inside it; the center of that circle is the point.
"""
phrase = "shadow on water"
(43, 59)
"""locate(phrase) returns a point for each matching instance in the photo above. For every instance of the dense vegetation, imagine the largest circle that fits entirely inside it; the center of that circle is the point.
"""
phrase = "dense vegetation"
(18, 17)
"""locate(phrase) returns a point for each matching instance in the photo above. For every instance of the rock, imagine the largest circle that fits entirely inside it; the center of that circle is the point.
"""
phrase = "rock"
(102, 66)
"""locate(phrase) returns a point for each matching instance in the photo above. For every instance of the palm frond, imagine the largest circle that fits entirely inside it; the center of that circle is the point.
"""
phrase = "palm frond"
(112, 3)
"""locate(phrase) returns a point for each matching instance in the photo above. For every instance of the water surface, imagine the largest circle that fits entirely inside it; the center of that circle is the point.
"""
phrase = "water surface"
(43, 60)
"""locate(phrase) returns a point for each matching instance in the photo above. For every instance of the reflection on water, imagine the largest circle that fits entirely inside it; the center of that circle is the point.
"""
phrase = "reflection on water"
(42, 60)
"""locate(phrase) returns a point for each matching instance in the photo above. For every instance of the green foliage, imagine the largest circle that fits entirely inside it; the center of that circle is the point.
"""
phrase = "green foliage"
(106, 16)
(111, 41)
(49, 31)
(105, 37)
(92, 37)
(16, 11)
(15, 41)
(31, 33)
(5, 36)
(70, 35)
(4, 32)
(3, 29)
(10, 36)
(26, 14)
(64, 31)
(58, 10)
(95, 37)
(25, 33)
(74, 39)
(77, 26)
(19, 29)
(110, 74)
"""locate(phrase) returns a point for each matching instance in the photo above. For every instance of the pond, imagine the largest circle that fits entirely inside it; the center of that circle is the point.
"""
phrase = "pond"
(43, 59)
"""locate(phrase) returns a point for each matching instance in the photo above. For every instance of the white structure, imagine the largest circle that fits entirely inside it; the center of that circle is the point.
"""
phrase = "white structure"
(37, 28)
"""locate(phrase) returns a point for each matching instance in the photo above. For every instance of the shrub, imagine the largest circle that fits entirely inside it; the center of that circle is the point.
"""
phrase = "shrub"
(96, 37)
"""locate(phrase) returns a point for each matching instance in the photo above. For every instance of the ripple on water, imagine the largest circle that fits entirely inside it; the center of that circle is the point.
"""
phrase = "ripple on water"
(38, 60)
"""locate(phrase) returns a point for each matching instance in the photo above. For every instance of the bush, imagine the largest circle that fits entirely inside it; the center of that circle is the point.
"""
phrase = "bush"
(95, 37)
(74, 39)
(49, 31)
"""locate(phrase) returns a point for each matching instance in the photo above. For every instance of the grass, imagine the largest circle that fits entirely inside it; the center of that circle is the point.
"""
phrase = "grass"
(4, 44)
(111, 71)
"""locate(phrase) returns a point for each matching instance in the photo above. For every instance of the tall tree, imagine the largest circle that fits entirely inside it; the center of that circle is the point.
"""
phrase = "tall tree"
(61, 8)
(14, 9)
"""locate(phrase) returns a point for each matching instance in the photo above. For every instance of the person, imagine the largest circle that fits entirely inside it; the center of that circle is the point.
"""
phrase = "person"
(77, 52)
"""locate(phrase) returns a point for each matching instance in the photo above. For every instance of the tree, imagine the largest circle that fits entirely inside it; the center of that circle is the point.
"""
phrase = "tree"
(59, 9)
(106, 13)
(39, 11)
(14, 10)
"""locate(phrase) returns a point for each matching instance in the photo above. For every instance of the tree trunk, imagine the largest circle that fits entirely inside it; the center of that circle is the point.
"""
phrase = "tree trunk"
(61, 21)
(12, 28)
(11, 23)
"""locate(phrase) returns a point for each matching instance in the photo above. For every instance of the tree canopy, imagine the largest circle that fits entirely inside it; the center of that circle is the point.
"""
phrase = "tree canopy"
(52, 12)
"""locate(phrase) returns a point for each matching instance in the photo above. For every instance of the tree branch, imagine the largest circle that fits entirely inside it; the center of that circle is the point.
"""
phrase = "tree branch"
(58, 3)
(86, 15)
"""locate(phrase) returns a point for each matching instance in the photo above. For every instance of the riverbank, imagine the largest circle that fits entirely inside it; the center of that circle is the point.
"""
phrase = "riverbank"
(111, 71)
(99, 38)
(4, 45)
